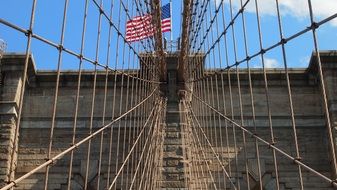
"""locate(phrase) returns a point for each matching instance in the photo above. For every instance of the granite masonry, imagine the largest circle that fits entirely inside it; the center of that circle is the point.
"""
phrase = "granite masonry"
(178, 151)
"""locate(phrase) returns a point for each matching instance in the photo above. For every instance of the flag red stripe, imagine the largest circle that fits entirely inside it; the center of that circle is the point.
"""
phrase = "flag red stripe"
(141, 27)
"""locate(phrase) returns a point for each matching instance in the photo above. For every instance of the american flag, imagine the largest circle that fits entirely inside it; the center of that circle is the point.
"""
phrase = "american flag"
(141, 27)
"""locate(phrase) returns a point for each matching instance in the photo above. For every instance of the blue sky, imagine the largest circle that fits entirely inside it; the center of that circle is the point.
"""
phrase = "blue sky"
(295, 17)
(49, 18)
(48, 21)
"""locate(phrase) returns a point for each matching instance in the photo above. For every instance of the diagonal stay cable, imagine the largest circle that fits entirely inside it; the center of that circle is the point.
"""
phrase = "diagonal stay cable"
(142, 22)
(70, 52)
(118, 31)
(143, 150)
(265, 50)
(254, 135)
(196, 140)
(209, 143)
(226, 28)
(200, 20)
(60, 155)
(133, 146)
(208, 30)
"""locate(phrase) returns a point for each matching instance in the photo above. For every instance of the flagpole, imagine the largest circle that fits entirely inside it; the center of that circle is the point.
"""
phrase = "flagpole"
(171, 21)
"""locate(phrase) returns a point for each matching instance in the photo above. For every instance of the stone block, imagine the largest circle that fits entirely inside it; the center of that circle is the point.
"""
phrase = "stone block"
(35, 125)
(181, 177)
(173, 170)
(170, 148)
(172, 155)
(172, 134)
(172, 162)
(168, 141)
(173, 185)
(172, 177)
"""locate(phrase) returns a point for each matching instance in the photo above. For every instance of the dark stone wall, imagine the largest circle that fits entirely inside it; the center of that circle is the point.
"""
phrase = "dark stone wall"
(37, 113)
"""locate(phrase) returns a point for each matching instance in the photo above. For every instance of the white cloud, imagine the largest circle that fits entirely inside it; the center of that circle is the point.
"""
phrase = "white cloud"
(217, 2)
(304, 61)
(271, 63)
(268, 63)
(294, 8)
